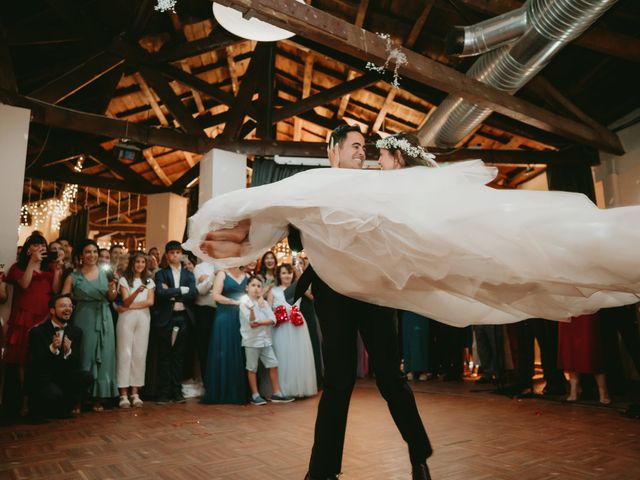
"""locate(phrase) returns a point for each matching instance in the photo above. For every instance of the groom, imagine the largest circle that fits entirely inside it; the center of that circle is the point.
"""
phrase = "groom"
(341, 318)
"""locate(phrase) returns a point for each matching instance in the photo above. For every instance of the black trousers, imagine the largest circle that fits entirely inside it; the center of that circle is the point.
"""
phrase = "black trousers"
(202, 335)
(171, 357)
(546, 332)
(54, 397)
(340, 320)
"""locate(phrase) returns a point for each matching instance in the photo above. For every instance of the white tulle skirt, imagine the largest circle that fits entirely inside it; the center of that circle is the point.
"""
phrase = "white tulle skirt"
(438, 242)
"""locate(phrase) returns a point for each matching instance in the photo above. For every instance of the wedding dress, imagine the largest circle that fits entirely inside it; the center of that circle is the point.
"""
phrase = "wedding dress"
(439, 242)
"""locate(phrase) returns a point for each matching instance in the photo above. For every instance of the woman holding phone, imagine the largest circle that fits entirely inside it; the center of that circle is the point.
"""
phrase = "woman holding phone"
(35, 276)
(132, 331)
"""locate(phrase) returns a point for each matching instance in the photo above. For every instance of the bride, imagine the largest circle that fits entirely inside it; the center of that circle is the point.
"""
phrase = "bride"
(435, 241)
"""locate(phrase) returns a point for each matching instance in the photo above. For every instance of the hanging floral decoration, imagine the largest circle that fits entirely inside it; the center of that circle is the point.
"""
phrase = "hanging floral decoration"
(395, 55)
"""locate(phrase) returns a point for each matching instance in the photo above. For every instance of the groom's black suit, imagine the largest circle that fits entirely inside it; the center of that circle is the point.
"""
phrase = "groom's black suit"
(340, 320)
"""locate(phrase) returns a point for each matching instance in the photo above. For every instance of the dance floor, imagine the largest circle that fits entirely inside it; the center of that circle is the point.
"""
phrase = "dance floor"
(475, 434)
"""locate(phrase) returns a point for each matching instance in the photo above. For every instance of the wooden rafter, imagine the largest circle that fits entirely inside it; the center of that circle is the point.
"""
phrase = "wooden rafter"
(409, 42)
(197, 98)
(233, 69)
(218, 39)
(306, 91)
(155, 166)
(171, 101)
(77, 78)
(243, 99)
(101, 125)
(325, 96)
(151, 99)
(338, 34)
(545, 90)
(351, 74)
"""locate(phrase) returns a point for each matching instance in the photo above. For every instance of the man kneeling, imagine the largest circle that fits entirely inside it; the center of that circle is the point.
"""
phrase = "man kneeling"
(55, 380)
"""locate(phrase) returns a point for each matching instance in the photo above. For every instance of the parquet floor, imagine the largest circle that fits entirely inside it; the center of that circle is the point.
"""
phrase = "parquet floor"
(476, 435)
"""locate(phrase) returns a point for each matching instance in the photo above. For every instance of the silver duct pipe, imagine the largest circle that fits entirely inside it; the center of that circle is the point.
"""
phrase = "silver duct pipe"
(487, 35)
(552, 24)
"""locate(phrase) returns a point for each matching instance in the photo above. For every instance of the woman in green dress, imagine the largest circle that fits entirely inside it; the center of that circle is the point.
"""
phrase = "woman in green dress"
(93, 291)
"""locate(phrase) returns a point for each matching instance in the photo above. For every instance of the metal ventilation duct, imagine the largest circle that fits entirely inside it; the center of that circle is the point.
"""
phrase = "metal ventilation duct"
(551, 24)
(487, 35)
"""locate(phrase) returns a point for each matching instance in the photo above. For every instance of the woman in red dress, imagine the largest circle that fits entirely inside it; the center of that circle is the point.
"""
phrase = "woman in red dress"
(34, 279)
(579, 352)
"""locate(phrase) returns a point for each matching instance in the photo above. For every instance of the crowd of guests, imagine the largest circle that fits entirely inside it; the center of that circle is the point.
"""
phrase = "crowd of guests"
(111, 328)
(99, 327)
(582, 349)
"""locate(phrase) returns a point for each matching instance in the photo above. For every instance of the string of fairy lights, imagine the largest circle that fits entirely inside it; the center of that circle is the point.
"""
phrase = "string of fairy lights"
(36, 214)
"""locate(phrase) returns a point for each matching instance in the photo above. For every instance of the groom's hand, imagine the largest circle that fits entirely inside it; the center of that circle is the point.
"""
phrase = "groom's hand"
(228, 242)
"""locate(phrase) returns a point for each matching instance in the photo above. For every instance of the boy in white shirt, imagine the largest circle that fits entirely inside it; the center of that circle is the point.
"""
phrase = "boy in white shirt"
(256, 321)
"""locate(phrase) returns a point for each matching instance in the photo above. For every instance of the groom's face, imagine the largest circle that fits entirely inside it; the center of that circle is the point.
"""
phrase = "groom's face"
(351, 151)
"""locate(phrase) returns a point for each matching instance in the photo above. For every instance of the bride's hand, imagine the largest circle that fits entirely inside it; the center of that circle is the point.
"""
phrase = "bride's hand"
(228, 242)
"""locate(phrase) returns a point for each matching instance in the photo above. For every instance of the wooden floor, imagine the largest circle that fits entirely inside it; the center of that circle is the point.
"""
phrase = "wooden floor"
(476, 435)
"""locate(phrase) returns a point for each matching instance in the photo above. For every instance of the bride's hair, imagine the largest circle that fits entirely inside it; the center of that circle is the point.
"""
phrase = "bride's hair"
(410, 149)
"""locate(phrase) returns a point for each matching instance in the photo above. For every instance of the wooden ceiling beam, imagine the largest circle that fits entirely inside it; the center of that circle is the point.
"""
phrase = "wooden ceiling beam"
(233, 69)
(219, 38)
(409, 42)
(351, 74)
(171, 101)
(103, 126)
(306, 91)
(362, 13)
(419, 25)
(118, 227)
(596, 38)
(546, 91)
(151, 99)
(77, 78)
(197, 98)
(325, 96)
(248, 87)
(338, 34)
(63, 174)
(155, 166)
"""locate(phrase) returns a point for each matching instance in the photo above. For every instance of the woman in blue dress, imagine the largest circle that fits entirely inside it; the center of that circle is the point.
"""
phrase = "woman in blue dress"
(226, 379)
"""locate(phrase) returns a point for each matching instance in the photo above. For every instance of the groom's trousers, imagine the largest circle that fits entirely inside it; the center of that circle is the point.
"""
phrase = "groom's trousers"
(340, 320)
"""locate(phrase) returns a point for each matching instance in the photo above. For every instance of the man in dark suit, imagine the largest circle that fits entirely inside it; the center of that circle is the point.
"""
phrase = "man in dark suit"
(55, 381)
(172, 319)
(340, 320)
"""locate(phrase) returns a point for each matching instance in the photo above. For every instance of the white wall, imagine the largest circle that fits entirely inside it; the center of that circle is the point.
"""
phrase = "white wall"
(536, 183)
(166, 219)
(221, 172)
(618, 177)
(14, 133)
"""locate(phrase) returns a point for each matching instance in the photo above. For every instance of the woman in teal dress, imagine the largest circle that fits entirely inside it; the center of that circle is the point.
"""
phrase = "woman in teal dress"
(93, 292)
(226, 378)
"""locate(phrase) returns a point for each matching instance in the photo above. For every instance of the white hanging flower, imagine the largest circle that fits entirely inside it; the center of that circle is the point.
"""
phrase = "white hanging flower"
(395, 55)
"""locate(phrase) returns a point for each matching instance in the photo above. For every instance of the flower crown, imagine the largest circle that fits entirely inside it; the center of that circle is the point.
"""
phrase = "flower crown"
(394, 143)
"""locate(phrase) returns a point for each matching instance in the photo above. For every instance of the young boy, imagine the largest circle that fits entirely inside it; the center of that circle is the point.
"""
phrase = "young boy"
(256, 321)
(171, 319)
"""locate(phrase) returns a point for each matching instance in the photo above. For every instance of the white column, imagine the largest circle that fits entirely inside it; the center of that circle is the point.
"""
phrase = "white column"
(221, 172)
(166, 219)
(14, 133)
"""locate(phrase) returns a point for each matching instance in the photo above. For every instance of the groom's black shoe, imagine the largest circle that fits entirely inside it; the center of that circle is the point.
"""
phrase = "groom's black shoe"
(308, 476)
(420, 472)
